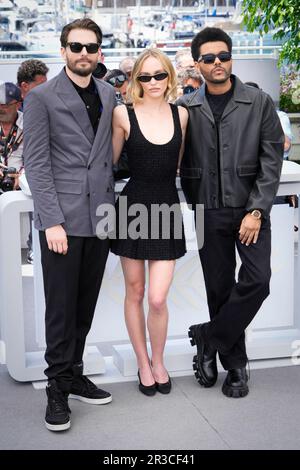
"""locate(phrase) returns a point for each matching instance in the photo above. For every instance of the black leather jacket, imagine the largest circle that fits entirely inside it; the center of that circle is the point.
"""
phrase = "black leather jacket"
(251, 139)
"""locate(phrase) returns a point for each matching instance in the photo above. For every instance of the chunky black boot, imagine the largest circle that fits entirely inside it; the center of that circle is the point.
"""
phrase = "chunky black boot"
(205, 362)
(235, 384)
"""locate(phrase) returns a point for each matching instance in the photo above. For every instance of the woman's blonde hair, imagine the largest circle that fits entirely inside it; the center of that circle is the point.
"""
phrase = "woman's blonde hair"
(135, 90)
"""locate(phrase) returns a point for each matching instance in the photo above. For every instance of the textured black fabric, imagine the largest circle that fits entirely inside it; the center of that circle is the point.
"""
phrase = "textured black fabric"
(91, 99)
(153, 174)
(218, 103)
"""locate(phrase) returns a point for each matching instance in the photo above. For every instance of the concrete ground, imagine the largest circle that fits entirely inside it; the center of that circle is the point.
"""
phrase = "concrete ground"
(191, 417)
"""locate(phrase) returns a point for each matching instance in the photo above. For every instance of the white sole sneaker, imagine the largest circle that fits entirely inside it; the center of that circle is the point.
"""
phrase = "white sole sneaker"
(58, 427)
(92, 401)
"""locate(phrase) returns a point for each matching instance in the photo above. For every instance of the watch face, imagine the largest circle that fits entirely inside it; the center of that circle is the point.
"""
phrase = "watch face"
(256, 213)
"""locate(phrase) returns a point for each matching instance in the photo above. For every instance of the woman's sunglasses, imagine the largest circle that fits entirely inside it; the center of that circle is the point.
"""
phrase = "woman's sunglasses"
(147, 78)
(210, 58)
(117, 81)
(76, 47)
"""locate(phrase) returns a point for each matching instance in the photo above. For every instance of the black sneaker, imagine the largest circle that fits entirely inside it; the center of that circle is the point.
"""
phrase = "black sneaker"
(57, 413)
(85, 390)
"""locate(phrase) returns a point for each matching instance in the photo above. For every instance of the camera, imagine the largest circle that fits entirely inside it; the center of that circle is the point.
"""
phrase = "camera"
(119, 98)
(6, 181)
(188, 89)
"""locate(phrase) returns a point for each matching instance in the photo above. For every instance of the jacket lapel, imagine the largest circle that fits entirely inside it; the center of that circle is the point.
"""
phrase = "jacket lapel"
(231, 106)
(74, 103)
(240, 95)
(199, 99)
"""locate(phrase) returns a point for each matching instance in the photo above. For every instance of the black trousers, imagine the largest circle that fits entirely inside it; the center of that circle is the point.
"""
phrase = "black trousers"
(71, 283)
(232, 302)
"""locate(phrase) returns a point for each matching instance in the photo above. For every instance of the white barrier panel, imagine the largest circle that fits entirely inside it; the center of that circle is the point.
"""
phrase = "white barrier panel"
(271, 334)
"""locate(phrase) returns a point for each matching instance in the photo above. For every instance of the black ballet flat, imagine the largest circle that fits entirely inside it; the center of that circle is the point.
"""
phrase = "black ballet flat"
(148, 390)
(165, 387)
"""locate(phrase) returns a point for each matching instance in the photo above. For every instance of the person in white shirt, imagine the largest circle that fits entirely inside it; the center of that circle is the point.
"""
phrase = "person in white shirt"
(288, 135)
(11, 131)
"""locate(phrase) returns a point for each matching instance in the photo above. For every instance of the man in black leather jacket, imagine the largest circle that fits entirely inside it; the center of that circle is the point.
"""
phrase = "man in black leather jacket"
(231, 165)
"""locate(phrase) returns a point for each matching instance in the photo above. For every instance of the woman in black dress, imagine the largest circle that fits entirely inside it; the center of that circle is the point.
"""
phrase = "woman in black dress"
(154, 133)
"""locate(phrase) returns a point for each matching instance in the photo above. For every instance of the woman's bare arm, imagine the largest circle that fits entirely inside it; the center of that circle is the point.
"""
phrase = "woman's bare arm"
(118, 131)
(184, 117)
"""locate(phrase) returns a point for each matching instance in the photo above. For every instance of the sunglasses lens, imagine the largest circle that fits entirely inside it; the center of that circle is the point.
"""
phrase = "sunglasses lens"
(144, 78)
(160, 76)
(121, 78)
(224, 56)
(92, 48)
(75, 47)
(209, 58)
(117, 81)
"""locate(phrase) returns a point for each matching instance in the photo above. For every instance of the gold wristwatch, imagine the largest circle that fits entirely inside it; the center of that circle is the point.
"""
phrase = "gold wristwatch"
(256, 214)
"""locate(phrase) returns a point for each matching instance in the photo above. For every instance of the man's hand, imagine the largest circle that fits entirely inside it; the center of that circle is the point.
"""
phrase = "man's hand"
(249, 229)
(57, 239)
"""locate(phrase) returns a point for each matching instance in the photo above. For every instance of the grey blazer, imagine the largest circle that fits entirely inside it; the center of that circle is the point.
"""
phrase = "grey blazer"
(68, 168)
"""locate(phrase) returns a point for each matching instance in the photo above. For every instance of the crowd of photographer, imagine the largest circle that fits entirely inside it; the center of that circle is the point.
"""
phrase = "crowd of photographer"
(30, 74)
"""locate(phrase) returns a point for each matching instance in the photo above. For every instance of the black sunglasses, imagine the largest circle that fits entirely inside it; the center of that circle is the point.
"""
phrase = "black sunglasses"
(210, 58)
(91, 47)
(117, 81)
(147, 78)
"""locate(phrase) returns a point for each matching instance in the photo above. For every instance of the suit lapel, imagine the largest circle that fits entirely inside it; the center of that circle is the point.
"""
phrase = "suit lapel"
(99, 141)
(74, 103)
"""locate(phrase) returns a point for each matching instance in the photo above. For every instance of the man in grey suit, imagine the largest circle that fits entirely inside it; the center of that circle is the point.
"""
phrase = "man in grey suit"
(68, 164)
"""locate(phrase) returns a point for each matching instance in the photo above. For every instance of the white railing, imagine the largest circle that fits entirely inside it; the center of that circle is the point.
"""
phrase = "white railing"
(111, 54)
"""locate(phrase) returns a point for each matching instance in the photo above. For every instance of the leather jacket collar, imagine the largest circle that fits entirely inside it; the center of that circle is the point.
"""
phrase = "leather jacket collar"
(240, 94)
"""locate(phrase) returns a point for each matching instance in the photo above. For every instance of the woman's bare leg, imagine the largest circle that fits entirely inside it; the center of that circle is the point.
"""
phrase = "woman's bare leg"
(160, 278)
(134, 274)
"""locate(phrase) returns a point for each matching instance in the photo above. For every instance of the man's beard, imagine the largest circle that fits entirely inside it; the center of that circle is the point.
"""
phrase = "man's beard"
(82, 72)
(211, 79)
(219, 80)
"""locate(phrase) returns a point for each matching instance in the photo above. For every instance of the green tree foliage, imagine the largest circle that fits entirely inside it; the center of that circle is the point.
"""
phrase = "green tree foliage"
(281, 15)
